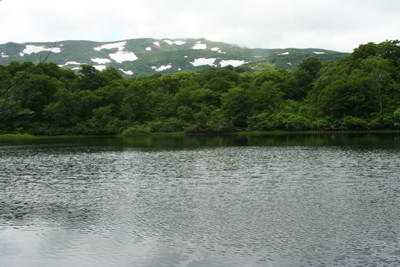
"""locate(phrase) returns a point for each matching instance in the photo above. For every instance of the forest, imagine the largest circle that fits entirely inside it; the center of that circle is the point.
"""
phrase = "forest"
(359, 92)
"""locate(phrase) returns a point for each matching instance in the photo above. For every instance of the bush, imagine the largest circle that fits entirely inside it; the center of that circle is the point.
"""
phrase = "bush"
(353, 123)
(134, 130)
(165, 126)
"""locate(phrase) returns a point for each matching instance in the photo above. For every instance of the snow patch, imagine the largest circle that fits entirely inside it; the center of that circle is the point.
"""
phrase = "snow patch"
(203, 61)
(157, 43)
(284, 53)
(179, 42)
(119, 45)
(232, 62)
(101, 60)
(127, 71)
(70, 63)
(4, 55)
(179, 69)
(100, 67)
(148, 48)
(29, 49)
(199, 46)
(318, 53)
(185, 56)
(289, 63)
(216, 49)
(169, 42)
(161, 68)
(122, 56)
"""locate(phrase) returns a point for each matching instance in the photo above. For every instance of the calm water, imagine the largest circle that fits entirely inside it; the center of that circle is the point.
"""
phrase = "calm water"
(296, 200)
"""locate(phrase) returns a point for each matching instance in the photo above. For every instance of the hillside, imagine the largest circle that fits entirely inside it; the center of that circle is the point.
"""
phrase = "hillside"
(146, 56)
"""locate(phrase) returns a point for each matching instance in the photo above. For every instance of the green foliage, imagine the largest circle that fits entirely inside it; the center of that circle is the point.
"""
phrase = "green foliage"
(134, 130)
(359, 92)
(237, 106)
(306, 73)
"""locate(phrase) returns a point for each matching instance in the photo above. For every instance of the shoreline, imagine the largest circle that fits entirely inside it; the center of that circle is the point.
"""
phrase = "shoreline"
(251, 133)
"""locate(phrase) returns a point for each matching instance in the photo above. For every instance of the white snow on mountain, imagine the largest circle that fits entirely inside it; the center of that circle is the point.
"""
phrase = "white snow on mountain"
(4, 55)
(157, 43)
(29, 49)
(119, 45)
(318, 53)
(122, 56)
(168, 42)
(127, 71)
(161, 68)
(284, 53)
(148, 48)
(203, 61)
(216, 49)
(179, 42)
(232, 62)
(199, 46)
(70, 63)
(101, 60)
(100, 67)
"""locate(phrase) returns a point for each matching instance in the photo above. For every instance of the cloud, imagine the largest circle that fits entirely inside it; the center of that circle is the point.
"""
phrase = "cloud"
(333, 24)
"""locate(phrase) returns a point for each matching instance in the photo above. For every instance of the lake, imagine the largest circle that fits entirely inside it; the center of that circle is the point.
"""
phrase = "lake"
(219, 200)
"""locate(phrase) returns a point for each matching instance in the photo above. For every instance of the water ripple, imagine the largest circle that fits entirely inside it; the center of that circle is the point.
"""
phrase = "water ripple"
(220, 206)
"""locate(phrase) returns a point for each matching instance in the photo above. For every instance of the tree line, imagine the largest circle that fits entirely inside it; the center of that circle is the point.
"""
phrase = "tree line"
(359, 92)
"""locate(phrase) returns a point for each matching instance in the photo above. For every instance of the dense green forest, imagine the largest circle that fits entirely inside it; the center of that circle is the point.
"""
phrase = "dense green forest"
(359, 92)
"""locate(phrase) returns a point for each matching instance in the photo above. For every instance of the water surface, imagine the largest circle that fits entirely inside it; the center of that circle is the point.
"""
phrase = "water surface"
(296, 200)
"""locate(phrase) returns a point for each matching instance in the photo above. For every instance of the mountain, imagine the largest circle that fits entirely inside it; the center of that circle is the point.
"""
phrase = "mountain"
(146, 56)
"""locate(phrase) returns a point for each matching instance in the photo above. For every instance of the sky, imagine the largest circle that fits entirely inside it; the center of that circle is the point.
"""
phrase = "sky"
(339, 25)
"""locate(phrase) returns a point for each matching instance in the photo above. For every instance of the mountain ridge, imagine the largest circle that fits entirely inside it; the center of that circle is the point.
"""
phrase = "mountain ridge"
(146, 56)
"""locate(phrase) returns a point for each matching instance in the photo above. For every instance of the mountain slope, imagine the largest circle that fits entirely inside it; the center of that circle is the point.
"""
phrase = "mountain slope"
(145, 56)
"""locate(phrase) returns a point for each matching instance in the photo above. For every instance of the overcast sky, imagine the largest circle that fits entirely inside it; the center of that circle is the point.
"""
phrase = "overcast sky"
(331, 24)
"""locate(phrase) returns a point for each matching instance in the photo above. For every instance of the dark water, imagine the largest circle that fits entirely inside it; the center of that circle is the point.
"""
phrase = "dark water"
(294, 200)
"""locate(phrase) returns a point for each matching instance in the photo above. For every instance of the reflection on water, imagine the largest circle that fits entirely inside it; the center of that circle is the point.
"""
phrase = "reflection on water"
(293, 200)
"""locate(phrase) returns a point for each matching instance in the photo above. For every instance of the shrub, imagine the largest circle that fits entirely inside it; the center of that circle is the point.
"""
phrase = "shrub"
(353, 123)
(134, 130)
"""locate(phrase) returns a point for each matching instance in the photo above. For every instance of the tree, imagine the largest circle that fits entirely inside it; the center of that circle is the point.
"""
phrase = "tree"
(87, 80)
(237, 106)
(376, 80)
(356, 88)
(12, 87)
(306, 73)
